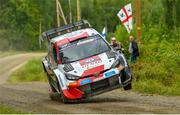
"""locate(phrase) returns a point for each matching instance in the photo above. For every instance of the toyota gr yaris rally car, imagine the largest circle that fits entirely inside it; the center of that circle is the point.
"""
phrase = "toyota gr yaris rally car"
(81, 64)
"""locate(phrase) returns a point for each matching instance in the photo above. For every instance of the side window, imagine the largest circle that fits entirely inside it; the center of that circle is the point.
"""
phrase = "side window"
(54, 54)
(49, 52)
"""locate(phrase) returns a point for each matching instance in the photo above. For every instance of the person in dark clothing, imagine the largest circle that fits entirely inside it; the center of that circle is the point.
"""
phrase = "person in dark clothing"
(133, 49)
(116, 45)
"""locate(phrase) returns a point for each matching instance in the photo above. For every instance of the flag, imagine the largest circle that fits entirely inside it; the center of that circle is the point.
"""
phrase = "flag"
(104, 33)
(125, 15)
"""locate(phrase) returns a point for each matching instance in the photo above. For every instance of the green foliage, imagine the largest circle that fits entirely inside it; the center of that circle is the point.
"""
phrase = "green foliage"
(152, 12)
(32, 71)
(171, 13)
(101, 13)
(19, 23)
(20, 19)
(157, 69)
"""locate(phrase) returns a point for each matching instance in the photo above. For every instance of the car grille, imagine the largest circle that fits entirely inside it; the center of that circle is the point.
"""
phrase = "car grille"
(100, 86)
(97, 86)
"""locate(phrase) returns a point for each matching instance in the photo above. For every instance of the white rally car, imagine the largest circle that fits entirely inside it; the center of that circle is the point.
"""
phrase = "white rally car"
(80, 63)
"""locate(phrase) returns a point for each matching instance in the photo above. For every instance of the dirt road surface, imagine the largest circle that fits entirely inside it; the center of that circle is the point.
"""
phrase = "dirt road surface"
(33, 96)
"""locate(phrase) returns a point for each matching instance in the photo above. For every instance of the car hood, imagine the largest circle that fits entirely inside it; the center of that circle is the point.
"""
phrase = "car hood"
(90, 66)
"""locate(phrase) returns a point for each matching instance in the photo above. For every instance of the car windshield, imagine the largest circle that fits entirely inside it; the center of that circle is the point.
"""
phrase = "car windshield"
(83, 48)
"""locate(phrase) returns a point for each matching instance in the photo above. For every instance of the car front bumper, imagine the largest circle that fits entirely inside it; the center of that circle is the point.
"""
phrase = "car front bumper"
(91, 86)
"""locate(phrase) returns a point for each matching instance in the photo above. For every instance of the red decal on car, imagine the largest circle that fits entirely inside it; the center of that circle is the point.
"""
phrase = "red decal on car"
(83, 35)
(62, 42)
(93, 70)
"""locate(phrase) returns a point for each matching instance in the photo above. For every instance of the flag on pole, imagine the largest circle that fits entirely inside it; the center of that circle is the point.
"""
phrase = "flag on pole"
(125, 15)
(104, 33)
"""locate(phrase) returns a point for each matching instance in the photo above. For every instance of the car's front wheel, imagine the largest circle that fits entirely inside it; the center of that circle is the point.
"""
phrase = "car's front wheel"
(128, 87)
(62, 97)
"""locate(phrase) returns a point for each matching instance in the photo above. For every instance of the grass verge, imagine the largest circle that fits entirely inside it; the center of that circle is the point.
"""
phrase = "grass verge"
(31, 71)
(157, 69)
(9, 110)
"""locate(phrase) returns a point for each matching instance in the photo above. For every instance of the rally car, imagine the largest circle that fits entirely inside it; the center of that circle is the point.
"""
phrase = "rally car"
(81, 64)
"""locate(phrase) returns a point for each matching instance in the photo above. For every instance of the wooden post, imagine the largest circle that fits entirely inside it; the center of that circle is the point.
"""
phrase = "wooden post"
(70, 12)
(62, 13)
(137, 4)
(57, 14)
(78, 11)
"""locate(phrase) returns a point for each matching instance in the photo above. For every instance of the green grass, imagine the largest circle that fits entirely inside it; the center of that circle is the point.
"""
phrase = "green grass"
(157, 69)
(9, 110)
(31, 71)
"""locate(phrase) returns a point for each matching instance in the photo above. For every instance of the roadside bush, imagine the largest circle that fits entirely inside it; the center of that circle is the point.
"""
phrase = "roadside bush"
(159, 72)
(157, 69)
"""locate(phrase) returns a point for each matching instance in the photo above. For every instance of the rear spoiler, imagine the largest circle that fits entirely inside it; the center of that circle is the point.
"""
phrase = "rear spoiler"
(65, 29)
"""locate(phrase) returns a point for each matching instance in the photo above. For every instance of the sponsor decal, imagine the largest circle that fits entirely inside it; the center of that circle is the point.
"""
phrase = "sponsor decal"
(86, 81)
(109, 74)
(90, 62)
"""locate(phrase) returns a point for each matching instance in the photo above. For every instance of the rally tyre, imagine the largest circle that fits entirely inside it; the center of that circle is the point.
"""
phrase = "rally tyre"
(62, 97)
(128, 87)
(49, 81)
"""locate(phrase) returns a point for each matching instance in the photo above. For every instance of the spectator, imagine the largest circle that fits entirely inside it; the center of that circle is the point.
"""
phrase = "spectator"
(133, 49)
(115, 45)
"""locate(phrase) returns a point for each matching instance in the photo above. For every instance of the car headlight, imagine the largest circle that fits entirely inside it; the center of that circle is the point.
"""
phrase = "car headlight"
(72, 77)
(116, 63)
